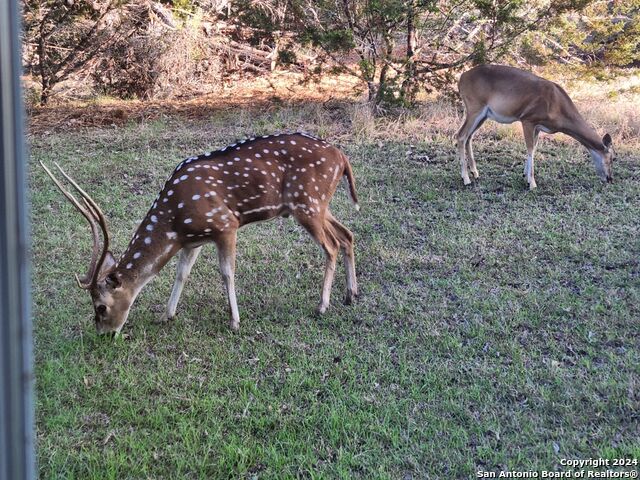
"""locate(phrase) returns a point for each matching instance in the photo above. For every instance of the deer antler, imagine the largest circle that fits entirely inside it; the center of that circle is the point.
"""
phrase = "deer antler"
(96, 220)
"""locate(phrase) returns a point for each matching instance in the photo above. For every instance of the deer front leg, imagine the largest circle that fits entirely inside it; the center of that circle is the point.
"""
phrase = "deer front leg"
(187, 258)
(464, 173)
(531, 139)
(471, 159)
(227, 258)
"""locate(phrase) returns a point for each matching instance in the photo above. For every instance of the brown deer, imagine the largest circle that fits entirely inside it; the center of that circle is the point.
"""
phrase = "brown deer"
(207, 199)
(506, 95)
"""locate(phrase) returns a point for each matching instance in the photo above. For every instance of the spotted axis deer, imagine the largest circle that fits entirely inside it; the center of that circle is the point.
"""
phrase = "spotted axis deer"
(506, 95)
(207, 199)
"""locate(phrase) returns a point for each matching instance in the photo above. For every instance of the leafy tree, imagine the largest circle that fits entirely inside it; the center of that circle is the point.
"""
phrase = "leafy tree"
(394, 46)
(62, 37)
(604, 32)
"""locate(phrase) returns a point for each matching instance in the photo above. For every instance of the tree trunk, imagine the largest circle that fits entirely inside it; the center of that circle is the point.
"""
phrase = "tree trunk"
(372, 89)
(44, 79)
(45, 94)
(409, 85)
(383, 85)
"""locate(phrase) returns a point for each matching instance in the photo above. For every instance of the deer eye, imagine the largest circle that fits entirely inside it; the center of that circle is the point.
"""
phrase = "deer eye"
(101, 309)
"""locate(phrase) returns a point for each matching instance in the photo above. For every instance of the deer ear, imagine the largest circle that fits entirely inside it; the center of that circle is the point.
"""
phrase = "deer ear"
(113, 281)
(106, 271)
(606, 140)
(107, 265)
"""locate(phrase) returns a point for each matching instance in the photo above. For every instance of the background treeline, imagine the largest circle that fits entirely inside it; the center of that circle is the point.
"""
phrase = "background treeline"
(158, 49)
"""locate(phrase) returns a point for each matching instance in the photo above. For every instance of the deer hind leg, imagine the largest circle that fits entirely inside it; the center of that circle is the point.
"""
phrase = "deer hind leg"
(345, 239)
(187, 258)
(226, 245)
(530, 132)
(330, 248)
(475, 117)
(323, 235)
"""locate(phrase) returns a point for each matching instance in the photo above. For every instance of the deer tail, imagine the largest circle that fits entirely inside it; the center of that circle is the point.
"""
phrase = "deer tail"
(350, 181)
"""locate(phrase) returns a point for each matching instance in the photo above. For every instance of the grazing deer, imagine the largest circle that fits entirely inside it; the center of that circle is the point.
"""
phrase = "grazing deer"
(506, 95)
(207, 199)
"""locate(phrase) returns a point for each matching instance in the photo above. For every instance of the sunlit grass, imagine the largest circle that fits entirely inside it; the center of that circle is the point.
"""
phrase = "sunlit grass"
(497, 328)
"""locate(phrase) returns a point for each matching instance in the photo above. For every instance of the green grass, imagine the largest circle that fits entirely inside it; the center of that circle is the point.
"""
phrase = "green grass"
(497, 328)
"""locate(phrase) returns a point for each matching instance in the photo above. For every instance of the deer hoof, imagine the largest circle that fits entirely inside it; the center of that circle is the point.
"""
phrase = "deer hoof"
(234, 325)
(350, 297)
(321, 309)
(475, 173)
(466, 181)
(165, 318)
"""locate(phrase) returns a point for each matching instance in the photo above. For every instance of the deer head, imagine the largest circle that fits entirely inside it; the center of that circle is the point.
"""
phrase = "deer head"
(111, 302)
(603, 158)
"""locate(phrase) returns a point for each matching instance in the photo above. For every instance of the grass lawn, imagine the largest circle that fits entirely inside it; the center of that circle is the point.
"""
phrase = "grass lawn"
(497, 328)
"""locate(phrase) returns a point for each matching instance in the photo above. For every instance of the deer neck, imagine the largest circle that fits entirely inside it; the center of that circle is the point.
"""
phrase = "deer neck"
(585, 134)
(150, 248)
